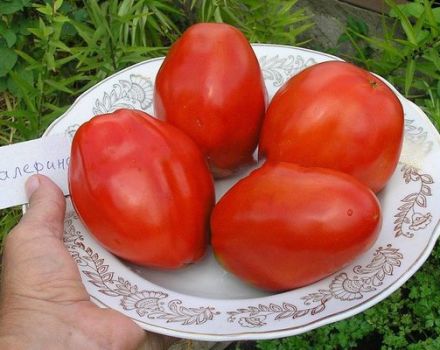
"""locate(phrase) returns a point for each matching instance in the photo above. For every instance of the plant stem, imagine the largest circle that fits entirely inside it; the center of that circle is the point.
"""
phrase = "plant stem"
(415, 54)
(112, 49)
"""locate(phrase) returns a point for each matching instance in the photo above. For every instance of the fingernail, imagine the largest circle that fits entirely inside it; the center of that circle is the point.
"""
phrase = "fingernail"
(31, 185)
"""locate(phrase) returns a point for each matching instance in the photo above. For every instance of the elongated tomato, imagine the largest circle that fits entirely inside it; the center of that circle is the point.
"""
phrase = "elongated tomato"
(211, 87)
(285, 226)
(339, 116)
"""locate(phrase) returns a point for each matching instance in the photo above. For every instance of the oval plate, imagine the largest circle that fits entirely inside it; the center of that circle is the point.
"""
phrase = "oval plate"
(203, 301)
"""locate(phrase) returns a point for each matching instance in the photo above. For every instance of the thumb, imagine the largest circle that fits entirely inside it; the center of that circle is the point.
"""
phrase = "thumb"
(47, 207)
(34, 250)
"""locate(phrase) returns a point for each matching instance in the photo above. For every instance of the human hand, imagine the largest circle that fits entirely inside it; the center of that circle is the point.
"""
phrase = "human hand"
(43, 303)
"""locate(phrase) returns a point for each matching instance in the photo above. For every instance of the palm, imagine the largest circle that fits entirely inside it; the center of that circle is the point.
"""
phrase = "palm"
(40, 275)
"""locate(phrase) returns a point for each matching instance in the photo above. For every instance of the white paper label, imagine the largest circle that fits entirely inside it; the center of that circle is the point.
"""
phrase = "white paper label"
(49, 156)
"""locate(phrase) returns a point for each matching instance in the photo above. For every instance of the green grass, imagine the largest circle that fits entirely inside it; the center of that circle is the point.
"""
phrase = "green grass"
(51, 51)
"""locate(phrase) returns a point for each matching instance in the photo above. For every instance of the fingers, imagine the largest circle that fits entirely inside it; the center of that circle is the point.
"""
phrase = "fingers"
(46, 207)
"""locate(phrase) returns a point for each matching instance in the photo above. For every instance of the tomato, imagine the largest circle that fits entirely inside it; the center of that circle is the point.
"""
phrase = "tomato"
(142, 188)
(286, 226)
(211, 86)
(336, 115)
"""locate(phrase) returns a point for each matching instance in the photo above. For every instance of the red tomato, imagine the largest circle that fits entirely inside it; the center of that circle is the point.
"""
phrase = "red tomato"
(210, 86)
(285, 226)
(142, 188)
(336, 115)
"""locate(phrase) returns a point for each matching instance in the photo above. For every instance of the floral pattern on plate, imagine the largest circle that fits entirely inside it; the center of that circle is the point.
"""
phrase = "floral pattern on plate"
(183, 308)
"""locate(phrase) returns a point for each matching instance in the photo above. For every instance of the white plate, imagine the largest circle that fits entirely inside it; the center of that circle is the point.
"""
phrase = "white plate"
(205, 302)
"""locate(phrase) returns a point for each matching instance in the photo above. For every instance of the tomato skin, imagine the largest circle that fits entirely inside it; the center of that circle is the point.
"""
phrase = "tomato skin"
(336, 115)
(142, 188)
(285, 226)
(211, 86)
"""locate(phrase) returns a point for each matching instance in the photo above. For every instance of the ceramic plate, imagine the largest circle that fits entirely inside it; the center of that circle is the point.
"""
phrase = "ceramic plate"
(205, 302)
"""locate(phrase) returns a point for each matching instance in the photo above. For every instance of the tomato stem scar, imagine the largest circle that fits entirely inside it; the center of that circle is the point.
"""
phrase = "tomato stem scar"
(374, 84)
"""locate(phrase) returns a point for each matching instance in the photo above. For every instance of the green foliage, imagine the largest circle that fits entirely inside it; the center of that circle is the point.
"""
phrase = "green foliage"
(341, 335)
(261, 21)
(73, 48)
(8, 7)
(119, 33)
(409, 53)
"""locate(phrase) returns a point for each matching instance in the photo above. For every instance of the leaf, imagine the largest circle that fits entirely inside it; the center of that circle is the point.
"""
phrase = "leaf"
(98, 284)
(102, 269)
(253, 311)
(290, 307)
(123, 291)
(398, 228)
(30, 60)
(7, 61)
(404, 22)
(426, 179)
(344, 37)
(24, 85)
(388, 269)
(426, 190)
(301, 313)
(190, 320)
(109, 292)
(401, 214)
(92, 275)
(45, 10)
(3, 85)
(436, 14)
(275, 307)
(411, 9)
(358, 25)
(10, 37)
(263, 308)
(11, 6)
(409, 74)
(218, 16)
(395, 262)
(318, 309)
(399, 223)
(241, 311)
(107, 277)
(407, 206)
(284, 314)
(383, 45)
(421, 201)
(410, 198)
(57, 4)
(434, 56)
(58, 86)
(380, 275)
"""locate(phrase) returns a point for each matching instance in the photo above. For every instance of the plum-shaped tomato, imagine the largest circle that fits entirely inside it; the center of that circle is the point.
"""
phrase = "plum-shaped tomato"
(211, 87)
(336, 115)
(285, 226)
